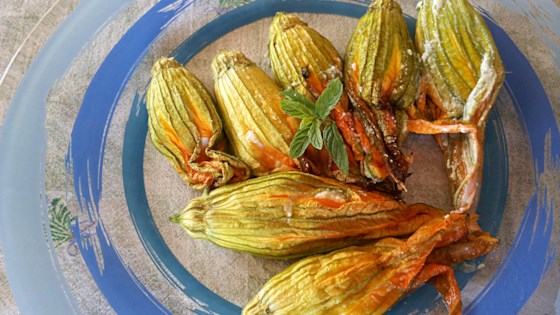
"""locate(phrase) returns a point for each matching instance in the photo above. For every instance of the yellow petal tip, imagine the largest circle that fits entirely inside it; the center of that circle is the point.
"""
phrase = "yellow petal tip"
(227, 59)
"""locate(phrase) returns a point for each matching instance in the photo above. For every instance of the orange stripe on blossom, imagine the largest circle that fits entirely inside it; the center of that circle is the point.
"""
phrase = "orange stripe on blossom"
(196, 177)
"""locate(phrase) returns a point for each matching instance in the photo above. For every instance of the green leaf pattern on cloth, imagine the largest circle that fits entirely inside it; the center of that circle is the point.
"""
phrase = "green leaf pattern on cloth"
(60, 220)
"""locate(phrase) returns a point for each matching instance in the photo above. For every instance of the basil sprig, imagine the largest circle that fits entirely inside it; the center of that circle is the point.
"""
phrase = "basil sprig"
(316, 127)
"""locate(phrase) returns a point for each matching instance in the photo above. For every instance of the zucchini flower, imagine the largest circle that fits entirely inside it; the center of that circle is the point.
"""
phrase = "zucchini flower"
(185, 127)
(382, 72)
(368, 279)
(462, 76)
(249, 103)
(293, 214)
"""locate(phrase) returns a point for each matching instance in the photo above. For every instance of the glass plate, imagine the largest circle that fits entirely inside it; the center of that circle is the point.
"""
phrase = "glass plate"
(89, 197)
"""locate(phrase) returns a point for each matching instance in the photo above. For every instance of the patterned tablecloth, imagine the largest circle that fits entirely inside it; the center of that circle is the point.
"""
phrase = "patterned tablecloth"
(26, 25)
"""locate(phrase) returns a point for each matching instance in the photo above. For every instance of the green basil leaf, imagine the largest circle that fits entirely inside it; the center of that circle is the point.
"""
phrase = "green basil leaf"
(329, 98)
(335, 146)
(315, 134)
(301, 139)
(295, 96)
(296, 109)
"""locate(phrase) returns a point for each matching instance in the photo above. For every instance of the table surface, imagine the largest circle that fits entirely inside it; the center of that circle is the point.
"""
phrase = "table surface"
(527, 22)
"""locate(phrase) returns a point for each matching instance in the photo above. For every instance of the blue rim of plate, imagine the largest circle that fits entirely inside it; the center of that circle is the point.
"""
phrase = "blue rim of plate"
(531, 251)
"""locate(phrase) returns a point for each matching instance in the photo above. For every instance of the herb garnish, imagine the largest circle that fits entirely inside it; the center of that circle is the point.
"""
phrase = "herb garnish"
(316, 127)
